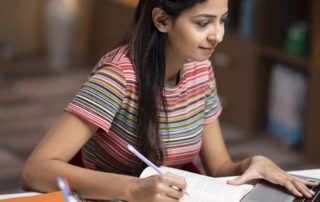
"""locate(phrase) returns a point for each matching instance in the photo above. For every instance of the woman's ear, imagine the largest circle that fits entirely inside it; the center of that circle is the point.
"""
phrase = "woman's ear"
(161, 20)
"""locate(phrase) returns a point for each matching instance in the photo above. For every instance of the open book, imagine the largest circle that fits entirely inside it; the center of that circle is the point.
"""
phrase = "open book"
(203, 188)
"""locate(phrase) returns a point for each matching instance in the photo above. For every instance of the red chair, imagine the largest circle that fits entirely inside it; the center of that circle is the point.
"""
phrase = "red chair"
(77, 160)
(191, 167)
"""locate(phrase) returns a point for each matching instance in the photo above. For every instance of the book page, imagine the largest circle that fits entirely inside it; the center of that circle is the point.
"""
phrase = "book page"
(203, 188)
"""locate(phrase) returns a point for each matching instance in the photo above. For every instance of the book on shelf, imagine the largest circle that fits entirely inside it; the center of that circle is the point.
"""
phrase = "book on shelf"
(203, 188)
(287, 98)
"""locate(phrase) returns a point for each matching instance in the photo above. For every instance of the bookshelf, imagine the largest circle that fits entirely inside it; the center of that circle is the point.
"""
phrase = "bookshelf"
(264, 48)
(242, 65)
(284, 57)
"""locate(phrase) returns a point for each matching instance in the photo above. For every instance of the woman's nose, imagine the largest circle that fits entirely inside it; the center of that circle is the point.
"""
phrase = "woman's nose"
(216, 35)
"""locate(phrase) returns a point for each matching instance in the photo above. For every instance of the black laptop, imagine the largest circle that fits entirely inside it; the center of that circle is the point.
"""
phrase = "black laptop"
(265, 191)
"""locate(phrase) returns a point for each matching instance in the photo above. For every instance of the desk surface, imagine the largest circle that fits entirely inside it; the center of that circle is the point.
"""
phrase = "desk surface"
(314, 173)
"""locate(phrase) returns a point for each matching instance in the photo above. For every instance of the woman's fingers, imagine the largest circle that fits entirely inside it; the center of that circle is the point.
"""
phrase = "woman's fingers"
(172, 192)
(173, 185)
(303, 189)
(296, 186)
(262, 167)
(292, 189)
(239, 180)
(158, 188)
(178, 181)
(307, 182)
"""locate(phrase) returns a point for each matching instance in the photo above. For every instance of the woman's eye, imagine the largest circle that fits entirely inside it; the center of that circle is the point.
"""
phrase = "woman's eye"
(224, 20)
(202, 23)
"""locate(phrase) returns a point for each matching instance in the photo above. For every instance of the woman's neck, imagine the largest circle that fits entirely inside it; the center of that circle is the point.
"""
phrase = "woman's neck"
(173, 65)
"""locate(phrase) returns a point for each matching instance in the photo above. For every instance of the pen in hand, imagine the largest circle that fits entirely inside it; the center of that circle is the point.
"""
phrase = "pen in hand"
(64, 186)
(148, 162)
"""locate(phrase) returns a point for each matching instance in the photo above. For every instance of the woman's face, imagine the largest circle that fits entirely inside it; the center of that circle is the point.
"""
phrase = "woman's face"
(197, 31)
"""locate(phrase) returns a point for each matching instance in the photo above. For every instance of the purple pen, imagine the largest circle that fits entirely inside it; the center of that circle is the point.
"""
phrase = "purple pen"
(144, 159)
(148, 162)
(65, 188)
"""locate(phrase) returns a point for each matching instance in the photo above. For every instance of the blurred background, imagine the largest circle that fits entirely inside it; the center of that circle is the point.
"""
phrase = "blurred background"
(267, 71)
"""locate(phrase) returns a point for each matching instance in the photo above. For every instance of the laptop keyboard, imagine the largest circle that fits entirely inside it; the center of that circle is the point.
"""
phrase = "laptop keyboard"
(316, 197)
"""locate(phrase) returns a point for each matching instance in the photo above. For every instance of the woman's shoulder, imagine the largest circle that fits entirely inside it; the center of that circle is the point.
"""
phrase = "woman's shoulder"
(116, 58)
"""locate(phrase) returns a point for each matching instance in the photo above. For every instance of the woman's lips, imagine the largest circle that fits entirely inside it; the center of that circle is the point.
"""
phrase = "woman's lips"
(207, 49)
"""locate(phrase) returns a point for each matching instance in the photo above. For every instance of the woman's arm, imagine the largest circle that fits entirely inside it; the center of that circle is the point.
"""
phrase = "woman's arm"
(50, 160)
(215, 156)
(217, 162)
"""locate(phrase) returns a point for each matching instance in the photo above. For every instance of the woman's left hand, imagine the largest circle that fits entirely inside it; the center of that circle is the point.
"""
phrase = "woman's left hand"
(261, 167)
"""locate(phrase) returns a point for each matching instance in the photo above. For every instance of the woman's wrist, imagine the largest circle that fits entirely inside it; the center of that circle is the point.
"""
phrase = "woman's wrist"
(244, 164)
(231, 168)
(248, 161)
(237, 168)
(129, 189)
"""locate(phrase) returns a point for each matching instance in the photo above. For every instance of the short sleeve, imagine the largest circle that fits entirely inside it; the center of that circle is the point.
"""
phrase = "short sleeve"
(100, 97)
(212, 104)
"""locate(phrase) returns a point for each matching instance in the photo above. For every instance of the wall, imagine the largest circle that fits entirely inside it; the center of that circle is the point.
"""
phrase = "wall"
(22, 26)
(111, 23)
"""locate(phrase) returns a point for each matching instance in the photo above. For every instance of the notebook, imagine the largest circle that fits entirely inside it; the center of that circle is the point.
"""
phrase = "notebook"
(48, 197)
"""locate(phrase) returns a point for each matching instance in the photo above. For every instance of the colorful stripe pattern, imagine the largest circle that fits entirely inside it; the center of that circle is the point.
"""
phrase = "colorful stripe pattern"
(108, 99)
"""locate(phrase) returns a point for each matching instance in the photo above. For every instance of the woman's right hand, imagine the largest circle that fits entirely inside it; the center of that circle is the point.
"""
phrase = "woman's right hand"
(156, 188)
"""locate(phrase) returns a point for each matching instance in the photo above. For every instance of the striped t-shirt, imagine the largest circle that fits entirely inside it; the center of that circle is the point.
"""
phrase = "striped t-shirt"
(109, 100)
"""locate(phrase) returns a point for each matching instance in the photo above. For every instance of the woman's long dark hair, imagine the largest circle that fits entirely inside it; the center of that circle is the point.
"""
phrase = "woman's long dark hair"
(147, 52)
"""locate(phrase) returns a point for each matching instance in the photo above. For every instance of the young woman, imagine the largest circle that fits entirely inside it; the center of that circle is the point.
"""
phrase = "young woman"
(157, 93)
